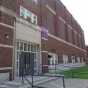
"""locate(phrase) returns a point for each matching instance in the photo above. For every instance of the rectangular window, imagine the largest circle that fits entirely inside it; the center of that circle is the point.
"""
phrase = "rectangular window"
(29, 48)
(69, 59)
(33, 47)
(73, 39)
(18, 47)
(60, 59)
(66, 33)
(37, 48)
(25, 46)
(21, 46)
(28, 15)
(61, 28)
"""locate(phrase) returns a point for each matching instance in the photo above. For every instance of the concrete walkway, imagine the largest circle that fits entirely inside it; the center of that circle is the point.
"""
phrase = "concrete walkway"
(70, 83)
(76, 83)
(66, 66)
(46, 82)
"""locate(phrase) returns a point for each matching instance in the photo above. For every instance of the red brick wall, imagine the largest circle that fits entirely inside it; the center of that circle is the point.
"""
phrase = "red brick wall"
(57, 27)
(44, 62)
(4, 32)
(5, 57)
(6, 36)
(51, 22)
(7, 19)
(48, 20)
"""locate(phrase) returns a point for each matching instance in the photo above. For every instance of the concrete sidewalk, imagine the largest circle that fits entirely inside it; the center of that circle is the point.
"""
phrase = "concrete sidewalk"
(46, 82)
(70, 83)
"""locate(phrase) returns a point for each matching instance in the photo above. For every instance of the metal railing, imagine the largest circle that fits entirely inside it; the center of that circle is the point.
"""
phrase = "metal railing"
(54, 77)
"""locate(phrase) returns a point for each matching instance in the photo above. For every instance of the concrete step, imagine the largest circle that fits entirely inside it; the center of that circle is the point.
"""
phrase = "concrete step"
(3, 86)
(19, 84)
(16, 84)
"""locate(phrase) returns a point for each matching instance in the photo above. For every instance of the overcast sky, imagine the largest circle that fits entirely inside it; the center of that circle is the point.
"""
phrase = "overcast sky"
(79, 9)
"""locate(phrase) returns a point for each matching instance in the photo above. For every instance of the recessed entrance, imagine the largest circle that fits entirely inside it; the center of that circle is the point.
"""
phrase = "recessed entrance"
(26, 63)
(28, 58)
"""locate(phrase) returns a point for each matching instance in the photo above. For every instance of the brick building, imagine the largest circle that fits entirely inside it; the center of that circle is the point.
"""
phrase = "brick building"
(43, 30)
(87, 54)
(65, 43)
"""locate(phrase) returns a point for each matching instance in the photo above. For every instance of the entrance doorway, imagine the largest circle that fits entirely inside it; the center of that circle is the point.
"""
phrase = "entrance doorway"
(26, 63)
(27, 58)
(52, 59)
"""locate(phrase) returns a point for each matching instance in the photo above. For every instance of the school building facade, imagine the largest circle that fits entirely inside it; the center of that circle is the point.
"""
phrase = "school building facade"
(43, 31)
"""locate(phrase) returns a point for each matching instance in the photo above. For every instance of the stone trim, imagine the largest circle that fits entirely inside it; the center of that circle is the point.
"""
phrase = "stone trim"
(6, 25)
(6, 46)
(50, 9)
(44, 51)
(60, 18)
(35, 27)
(63, 41)
(5, 68)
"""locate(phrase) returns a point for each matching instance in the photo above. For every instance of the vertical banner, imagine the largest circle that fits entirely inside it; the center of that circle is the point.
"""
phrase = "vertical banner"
(44, 33)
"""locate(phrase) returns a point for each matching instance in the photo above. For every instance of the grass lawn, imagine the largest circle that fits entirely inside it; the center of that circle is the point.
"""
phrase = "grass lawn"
(81, 72)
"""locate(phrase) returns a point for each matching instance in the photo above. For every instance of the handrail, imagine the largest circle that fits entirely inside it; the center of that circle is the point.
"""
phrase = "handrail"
(32, 82)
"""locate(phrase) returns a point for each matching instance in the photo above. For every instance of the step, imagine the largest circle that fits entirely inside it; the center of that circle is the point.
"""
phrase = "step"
(18, 83)
(44, 81)
(3, 86)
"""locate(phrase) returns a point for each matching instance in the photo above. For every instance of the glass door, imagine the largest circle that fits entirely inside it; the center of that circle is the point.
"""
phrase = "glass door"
(26, 64)
(27, 57)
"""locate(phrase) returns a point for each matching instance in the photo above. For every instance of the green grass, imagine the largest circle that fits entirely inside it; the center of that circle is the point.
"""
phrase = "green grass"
(81, 72)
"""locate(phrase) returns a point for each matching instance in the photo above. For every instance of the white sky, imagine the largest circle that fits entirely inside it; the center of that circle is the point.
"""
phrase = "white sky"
(79, 9)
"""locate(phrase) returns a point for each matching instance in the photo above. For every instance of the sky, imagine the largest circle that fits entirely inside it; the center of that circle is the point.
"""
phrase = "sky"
(79, 9)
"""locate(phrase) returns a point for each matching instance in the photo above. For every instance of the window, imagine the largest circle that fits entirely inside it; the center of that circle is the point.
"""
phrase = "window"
(73, 39)
(29, 47)
(31, 51)
(34, 19)
(25, 13)
(66, 32)
(33, 47)
(25, 46)
(21, 46)
(61, 28)
(22, 11)
(69, 59)
(28, 15)
(76, 61)
(17, 45)
(37, 48)
(60, 59)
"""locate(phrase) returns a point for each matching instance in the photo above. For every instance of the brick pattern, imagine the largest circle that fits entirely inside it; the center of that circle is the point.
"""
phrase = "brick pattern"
(5, 57)
(47, 19)
(50, 21)
(44, 62)
(6, 35)
(4, 18)
(59, 29)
